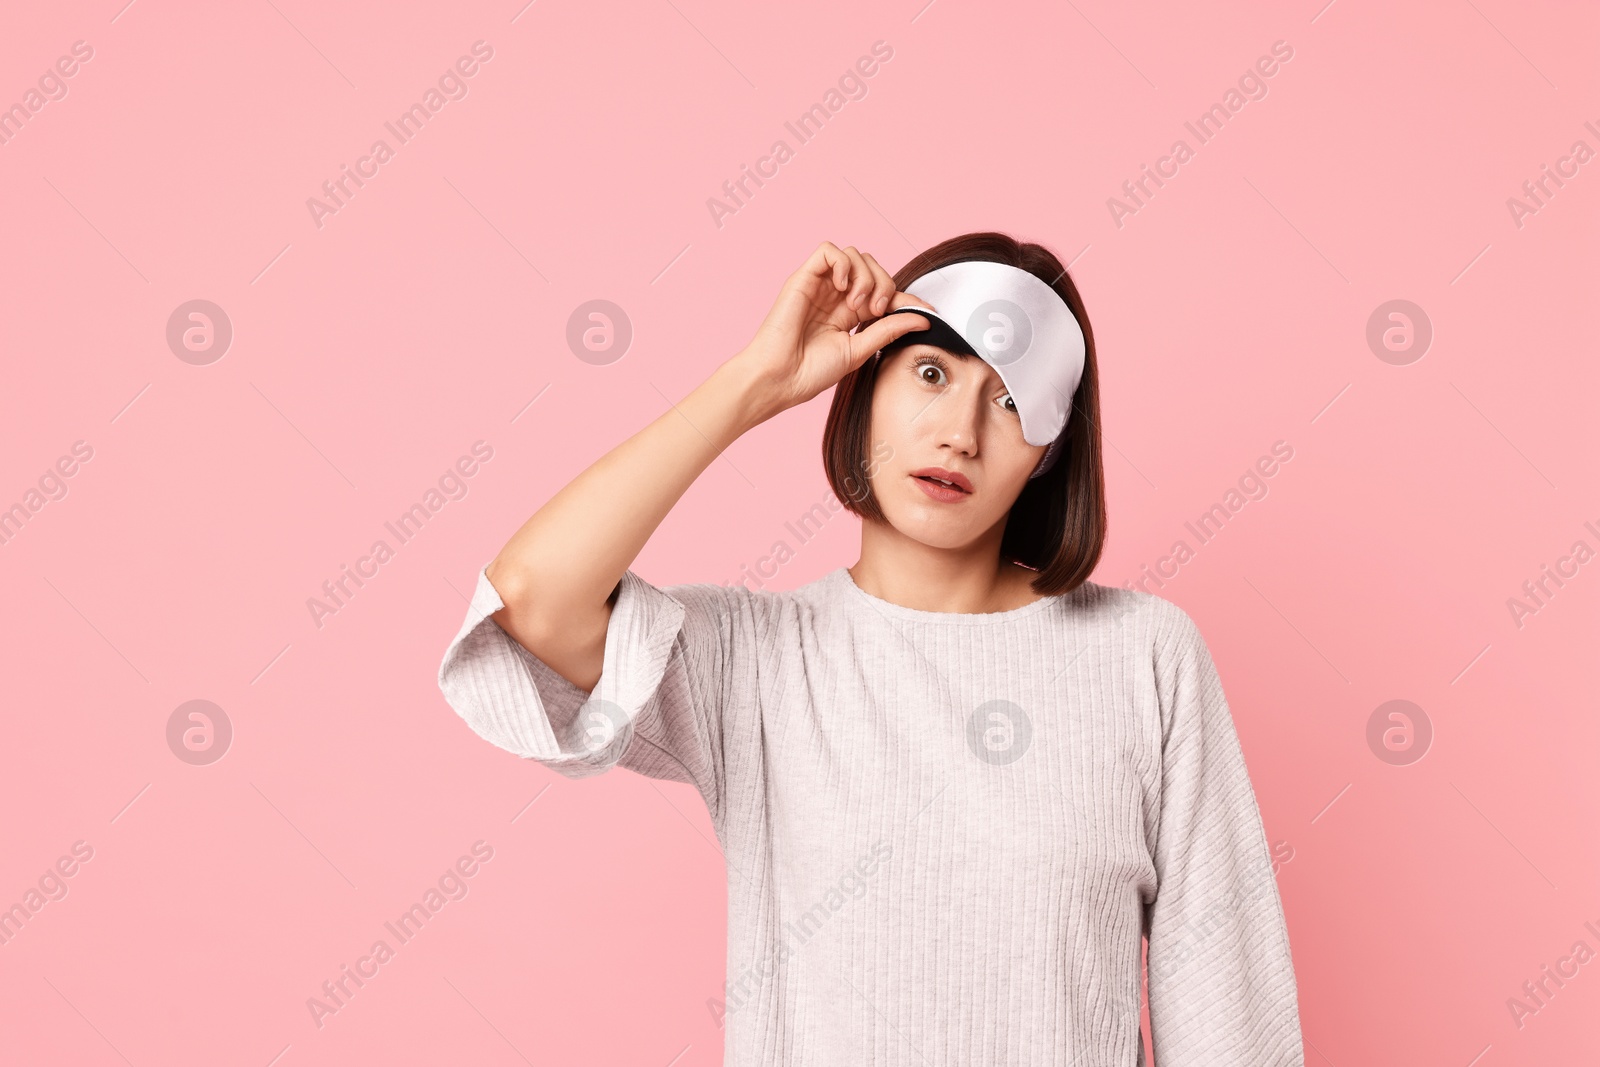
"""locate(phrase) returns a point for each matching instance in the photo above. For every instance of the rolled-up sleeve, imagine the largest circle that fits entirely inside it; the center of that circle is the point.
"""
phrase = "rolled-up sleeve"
(671, 666)
(1221, 977)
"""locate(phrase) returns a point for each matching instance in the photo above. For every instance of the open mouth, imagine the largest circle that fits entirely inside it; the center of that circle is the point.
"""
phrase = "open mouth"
(942, 485)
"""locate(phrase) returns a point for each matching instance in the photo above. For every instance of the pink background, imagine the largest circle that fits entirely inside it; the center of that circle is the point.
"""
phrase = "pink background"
(368, 354)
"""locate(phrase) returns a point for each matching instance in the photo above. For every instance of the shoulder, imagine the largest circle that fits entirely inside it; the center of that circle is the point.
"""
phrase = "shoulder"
(1156, 625)
(1176, 628)
(1182, 669)
(1123, 605)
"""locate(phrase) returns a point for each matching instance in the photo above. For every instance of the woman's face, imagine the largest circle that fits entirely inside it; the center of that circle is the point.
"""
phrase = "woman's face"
(938, 410)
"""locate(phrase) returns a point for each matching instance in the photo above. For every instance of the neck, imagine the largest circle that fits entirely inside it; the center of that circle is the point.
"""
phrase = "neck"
(972, 579)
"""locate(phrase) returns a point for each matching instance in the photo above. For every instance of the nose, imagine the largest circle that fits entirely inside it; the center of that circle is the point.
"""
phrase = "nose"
(956, 420)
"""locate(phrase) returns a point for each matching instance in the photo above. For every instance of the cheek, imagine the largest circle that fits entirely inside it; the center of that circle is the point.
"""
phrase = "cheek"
(1012, 459)
(1015, 460)
(893, 403)
(893, 412)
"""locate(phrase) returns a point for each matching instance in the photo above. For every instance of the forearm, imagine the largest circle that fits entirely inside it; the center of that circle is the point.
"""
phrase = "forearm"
(558, 571)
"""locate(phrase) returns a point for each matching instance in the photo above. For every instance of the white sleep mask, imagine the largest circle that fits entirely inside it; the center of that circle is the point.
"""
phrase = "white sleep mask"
(1017, 324)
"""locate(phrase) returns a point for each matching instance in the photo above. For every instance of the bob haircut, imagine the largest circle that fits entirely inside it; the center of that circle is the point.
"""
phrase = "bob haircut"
(1057, 525)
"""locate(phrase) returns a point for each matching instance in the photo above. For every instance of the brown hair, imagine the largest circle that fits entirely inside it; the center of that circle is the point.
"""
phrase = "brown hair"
(1057, 526)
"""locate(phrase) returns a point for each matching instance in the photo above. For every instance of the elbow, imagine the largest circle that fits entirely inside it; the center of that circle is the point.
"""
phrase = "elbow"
(519, 599)
(547, 601)
(564, 635)
(526, 614)
(510, 582)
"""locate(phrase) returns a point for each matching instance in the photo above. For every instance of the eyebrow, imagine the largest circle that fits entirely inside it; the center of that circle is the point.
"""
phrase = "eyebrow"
(940, 348)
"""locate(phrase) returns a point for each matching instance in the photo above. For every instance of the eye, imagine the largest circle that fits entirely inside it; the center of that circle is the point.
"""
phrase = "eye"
(923, 364)
(1009, 404)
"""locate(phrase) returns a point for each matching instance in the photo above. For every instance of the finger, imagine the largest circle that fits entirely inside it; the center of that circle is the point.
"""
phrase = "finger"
(826, 262)
(871, 338)
(905, 300)
(861, 282)
(843, 269)
(884, 287)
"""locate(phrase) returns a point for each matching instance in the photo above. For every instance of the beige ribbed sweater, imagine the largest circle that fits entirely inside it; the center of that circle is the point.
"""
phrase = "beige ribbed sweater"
(945, 833)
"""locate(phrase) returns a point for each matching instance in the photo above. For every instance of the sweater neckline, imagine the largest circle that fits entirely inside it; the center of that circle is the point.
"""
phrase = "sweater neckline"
(961, 618)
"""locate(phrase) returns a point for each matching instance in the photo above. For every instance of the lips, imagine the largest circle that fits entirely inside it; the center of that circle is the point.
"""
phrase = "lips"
(954, 480)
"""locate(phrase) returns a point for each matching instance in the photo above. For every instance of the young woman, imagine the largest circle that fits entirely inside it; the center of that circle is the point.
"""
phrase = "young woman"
(956, 783)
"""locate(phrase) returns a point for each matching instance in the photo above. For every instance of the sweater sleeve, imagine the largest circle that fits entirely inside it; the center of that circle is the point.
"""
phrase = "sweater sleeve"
(666, 680)
(1221, 978)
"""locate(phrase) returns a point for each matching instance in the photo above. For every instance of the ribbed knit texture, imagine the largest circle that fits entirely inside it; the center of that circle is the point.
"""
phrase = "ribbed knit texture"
(908, 886)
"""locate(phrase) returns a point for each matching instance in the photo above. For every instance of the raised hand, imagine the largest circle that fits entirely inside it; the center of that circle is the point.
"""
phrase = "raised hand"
(804, 345)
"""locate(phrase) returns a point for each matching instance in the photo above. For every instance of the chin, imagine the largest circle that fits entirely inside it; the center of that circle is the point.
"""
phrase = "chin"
(932, 530)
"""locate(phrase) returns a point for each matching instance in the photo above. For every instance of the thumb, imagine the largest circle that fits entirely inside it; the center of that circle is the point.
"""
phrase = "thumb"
(890, 326)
